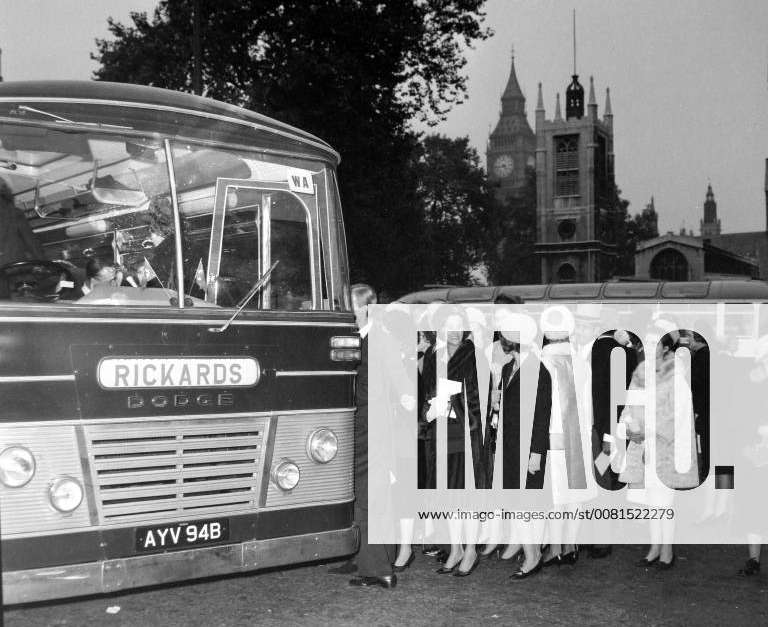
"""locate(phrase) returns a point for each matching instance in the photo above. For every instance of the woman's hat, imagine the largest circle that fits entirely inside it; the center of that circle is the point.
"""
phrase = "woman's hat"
(557, 322)
(516, 327)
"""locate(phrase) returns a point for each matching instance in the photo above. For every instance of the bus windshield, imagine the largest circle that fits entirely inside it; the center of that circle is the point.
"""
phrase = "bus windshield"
(88, 214)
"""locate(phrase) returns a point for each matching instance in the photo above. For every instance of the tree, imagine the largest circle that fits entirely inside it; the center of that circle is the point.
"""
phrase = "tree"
(632, 231)
(455, 203)
(513, 260)
(353, 72)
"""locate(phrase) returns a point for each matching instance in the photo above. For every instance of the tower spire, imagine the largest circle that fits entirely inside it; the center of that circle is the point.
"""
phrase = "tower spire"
(574, 42)
(558, 113)
(540, 110)
(592, 104)
(512, 91)
(574, 94)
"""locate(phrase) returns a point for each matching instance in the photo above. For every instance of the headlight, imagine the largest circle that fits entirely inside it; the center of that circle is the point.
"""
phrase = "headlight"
(322, 445)
(285, 474)
(66, 494)
(17, 466)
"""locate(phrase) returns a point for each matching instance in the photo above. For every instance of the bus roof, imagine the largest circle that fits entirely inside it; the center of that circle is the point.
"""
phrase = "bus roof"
(102, 92)
(730, 291)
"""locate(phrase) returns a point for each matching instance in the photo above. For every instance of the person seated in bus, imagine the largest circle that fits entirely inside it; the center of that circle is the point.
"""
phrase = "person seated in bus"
(17, 241)
(97, 272)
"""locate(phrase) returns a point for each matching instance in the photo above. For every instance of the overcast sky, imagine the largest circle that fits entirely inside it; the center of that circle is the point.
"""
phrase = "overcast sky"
(688, 79)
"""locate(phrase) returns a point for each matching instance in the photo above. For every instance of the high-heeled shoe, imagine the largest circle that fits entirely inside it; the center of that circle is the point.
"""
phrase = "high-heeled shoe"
(556, 560)
(646, 563)
(751, 567)
(570, 558)
(666, 565)
(408, 562)
(466, 573)
(520, 574)
(447, 570)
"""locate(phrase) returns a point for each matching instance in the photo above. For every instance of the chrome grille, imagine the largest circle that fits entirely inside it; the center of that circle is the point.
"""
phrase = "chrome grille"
(161, 470)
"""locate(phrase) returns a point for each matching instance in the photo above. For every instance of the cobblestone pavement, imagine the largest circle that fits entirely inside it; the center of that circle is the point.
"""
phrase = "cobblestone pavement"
(701, 589)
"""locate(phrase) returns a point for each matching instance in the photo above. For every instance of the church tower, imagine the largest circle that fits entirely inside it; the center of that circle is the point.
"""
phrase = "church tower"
(575, 190)
(576, 218)
(511, 145)
(710, 225)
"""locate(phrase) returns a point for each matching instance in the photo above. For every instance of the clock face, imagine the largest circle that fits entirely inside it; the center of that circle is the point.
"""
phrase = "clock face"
(503, 166)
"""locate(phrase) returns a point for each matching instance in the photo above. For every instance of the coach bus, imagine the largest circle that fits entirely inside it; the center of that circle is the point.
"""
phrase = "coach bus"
(739, 320)
(177, 348)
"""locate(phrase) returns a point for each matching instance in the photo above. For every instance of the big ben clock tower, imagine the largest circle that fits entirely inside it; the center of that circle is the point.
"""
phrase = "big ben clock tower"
(512, 144)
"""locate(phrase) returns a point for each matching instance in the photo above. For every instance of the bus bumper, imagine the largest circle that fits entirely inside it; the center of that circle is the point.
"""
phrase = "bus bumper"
(107, 576)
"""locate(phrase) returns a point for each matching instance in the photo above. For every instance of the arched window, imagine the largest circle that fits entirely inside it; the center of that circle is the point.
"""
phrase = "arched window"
(566, 273)
(669, 265)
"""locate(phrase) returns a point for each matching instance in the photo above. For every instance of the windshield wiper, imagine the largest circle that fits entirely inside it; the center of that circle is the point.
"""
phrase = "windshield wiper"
(58, 118)
(50, 115)
(247, 299)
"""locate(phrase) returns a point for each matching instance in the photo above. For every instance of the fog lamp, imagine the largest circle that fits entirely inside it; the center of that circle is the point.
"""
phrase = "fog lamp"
(66, 494)
(285, 474)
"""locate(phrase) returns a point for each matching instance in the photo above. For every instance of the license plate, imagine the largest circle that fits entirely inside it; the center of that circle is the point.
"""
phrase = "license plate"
(182, 535)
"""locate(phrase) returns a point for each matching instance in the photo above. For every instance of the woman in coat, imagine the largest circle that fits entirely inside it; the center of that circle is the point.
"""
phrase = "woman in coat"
(461, 369)
(650, 469)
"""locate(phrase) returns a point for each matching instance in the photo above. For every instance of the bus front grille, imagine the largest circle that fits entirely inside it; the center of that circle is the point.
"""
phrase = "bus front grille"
(174, 469)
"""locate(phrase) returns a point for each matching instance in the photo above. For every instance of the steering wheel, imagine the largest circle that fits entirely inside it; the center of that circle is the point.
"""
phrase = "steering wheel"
(34, 279)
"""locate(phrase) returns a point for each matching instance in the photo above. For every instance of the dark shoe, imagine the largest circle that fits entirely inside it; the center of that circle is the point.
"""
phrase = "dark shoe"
(570, 558)
(599, 552)
(409, 561)
(431, 551)
(467, 573)
(666, 565)
(388, 582)
(557, 560)
(524, 574)
(646, 563)
(347, 568)
(446, 571)
(751, 567)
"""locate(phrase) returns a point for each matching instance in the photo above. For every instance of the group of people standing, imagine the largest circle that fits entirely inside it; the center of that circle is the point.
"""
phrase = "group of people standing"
(559, 439)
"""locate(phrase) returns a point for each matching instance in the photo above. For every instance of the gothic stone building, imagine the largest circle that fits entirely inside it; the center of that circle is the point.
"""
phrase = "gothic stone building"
(576, 216)
(511, 145)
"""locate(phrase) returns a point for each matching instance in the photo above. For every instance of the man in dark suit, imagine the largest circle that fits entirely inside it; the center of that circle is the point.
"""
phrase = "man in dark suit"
(374, 561)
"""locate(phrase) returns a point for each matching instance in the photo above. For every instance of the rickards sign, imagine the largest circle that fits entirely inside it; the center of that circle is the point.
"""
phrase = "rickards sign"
(567, 423)
(177, 372)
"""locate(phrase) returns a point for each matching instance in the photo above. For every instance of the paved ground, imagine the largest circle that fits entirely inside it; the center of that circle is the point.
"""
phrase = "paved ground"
(701, 589)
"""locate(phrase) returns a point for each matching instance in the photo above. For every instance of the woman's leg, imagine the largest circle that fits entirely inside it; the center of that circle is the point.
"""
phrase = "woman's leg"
(755, 546)
(570, 530)
(656, 539)
(406, 540)
(667, 550)
(456, 553)
(471, 531)
(532, 554)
